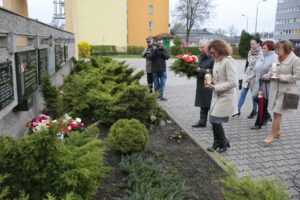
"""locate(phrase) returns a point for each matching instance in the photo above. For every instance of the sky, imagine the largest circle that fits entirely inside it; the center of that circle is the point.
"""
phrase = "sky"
(226, 13)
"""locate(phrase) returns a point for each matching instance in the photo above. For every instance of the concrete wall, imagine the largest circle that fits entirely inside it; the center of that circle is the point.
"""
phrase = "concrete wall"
(12, 28)
(139, 17)
(99, 22)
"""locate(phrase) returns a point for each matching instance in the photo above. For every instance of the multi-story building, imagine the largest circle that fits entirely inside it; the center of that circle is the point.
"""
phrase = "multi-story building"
(288, 21)
(116, 22)
(146, 18)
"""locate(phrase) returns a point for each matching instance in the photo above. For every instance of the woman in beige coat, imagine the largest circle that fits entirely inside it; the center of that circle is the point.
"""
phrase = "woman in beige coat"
(224, 86)
(288, 72)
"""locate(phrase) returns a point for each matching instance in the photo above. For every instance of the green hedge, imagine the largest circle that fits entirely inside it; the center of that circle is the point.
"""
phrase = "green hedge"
(175, 50)
(103, 50)
(135, 50)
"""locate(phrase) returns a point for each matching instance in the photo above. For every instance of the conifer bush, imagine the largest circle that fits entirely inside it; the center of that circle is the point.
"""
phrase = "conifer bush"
(128, 136)
(40, 164)
(84, 49)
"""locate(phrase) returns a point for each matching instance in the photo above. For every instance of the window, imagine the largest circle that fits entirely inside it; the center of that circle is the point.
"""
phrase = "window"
(150, 25)
(150, 9)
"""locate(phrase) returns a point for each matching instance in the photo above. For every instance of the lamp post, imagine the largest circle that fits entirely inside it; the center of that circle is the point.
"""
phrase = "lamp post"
(247, 21)
(257, 13)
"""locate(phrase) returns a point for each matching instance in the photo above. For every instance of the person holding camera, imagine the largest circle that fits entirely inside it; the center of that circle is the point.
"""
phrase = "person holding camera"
(158, 56)
(146, 51)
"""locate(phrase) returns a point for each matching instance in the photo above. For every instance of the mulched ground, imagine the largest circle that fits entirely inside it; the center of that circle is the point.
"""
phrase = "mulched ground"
(180, 157)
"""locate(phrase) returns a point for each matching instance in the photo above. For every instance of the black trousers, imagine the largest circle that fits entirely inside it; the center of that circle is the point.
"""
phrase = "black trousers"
(203, 114)
(219, 135)
(150, 81)
(265, 116)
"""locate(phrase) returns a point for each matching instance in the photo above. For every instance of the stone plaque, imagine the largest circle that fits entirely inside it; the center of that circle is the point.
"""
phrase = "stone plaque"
(58, 57)
(27, 68)
(66, 49)
(43, 63)
(6, 84)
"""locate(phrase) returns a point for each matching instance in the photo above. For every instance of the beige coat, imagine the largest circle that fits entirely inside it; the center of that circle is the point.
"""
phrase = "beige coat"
(289, 73)
(226, 81)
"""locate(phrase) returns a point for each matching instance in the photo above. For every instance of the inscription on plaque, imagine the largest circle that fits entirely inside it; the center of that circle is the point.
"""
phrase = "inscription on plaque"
(58, 57)
(26, 63)
(6, 84)
(43, 63)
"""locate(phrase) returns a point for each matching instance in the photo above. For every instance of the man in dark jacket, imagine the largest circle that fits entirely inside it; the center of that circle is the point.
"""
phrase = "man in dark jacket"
(158, 56)
(146, 51)
(203, 94)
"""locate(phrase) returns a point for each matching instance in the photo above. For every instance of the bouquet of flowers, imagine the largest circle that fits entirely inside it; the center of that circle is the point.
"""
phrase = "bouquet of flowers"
(185, 65)
(63, 126)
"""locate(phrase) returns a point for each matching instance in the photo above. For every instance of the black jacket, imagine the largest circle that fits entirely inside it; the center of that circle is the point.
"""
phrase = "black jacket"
(158, 57)
(203, 95)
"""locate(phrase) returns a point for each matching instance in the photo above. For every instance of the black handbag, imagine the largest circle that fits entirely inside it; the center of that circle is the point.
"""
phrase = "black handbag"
(290, 101)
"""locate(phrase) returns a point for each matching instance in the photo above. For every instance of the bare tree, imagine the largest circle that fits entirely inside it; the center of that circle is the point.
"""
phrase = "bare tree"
(176, 28)
(232, 31)
(192, 13)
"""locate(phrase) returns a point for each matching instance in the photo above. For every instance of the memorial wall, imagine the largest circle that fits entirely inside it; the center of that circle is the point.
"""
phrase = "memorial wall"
(29, 50)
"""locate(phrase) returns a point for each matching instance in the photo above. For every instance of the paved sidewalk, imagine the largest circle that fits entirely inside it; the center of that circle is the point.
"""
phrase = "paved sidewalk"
(248, 152)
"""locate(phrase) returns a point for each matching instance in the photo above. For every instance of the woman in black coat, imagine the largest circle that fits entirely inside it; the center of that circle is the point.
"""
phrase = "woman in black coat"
(203, 94)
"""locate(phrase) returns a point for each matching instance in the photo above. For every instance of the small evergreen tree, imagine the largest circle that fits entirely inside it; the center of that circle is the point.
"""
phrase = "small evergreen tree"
(244, 45)
(177, 41)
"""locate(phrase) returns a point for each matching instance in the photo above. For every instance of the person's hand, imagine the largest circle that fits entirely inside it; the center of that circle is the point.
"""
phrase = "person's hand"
(210, 86)
(197, 69)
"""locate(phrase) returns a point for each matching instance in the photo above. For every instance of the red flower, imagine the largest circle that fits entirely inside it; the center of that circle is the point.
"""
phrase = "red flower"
(72, 123)
(188, 59)
(180, 55)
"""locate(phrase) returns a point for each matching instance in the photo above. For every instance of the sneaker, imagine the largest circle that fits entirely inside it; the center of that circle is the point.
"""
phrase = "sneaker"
(163, 99)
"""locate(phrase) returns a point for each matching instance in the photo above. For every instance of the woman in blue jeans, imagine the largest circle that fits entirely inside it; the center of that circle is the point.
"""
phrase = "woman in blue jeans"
(253, 55)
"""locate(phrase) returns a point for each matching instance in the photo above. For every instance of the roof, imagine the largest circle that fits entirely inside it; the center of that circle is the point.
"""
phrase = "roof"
(163, 35)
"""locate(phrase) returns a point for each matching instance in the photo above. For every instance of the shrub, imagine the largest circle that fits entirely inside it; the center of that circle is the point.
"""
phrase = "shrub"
(52, 97)
(135, 50)
(177, 41)
(84, 49)
(128, 136)
(249, 188)
(146, 181)
(40, 165)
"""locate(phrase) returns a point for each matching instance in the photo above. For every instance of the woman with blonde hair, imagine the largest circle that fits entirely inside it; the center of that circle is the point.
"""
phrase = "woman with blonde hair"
(225, 81)
(287, 73)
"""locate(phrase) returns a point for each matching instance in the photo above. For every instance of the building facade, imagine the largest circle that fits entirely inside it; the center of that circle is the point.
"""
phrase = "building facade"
(288, 21)
(146, 18)
(99, 22)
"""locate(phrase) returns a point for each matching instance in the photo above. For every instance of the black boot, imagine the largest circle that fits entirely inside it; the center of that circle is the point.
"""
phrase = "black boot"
(252, 114)
(216, 143)
(224, 142)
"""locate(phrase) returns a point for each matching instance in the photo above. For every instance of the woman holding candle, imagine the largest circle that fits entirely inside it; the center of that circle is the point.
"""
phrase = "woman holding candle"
(224, 85)
(284, 80)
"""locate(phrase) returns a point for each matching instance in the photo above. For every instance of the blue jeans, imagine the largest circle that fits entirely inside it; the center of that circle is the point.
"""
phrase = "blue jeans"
(159, 79)
(243, 95)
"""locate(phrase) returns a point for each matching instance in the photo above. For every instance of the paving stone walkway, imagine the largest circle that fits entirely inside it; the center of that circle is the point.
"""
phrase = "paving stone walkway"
(248, 152)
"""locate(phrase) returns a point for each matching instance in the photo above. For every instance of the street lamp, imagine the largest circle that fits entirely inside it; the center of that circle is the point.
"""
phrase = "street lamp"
(257, 13)
(247, 21)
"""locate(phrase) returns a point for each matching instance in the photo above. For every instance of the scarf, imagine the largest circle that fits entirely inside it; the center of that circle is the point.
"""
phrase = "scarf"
(282, 58)
(253, 56)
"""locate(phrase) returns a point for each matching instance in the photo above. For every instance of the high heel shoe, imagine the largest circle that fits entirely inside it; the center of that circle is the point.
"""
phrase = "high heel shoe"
(236, 114)
(214, 147)
(252, 114)
(223, 149)
(277, 134)
(269, 139)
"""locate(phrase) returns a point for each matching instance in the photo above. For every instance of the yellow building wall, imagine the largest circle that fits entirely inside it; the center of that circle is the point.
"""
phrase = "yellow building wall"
(17, 6)
(100, 22)
(139, 17)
